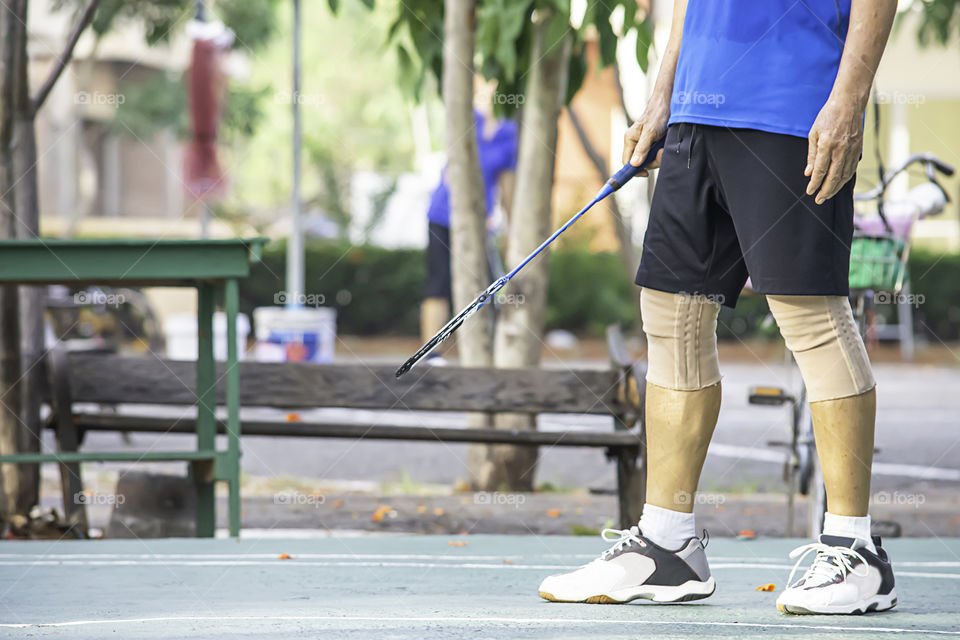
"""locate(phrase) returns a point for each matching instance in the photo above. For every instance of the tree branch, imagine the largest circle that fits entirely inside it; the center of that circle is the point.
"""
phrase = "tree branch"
(86, 17)
(622, 228)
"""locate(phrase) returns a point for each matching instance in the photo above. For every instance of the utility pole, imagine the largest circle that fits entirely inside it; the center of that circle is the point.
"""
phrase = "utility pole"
(295, 268)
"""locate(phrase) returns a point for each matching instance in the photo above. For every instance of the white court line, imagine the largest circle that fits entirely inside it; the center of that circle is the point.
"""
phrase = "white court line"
(879, 468)
(717, 561)
(462, 620)
(293, 562)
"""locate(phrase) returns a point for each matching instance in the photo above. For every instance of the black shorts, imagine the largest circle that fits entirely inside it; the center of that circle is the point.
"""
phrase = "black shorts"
(438, 262)
(731, 203)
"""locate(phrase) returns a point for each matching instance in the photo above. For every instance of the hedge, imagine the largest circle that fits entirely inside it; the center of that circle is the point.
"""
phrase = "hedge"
(377, 291)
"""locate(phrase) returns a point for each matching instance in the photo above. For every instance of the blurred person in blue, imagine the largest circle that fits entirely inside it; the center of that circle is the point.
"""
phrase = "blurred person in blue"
(497, 152)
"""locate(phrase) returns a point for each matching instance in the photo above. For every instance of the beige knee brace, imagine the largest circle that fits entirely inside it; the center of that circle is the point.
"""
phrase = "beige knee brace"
(681, 340)
(821, 333)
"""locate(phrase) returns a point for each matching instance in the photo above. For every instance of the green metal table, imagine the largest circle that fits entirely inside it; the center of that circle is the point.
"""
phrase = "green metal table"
(207, 265)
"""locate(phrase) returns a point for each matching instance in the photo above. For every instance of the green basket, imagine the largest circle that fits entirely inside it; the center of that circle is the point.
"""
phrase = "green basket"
(875, 263)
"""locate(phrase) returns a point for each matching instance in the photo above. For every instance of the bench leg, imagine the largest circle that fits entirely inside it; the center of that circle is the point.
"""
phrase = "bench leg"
(231, 302)
(71, 482)
(206, 403)
(631, 486)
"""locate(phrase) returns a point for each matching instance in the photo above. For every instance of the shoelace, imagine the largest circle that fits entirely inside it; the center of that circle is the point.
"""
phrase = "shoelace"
(829, 562)
(624, 538)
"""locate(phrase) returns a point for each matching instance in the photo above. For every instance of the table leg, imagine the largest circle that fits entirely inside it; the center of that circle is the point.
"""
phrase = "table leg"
(206, 405)
(231, 302)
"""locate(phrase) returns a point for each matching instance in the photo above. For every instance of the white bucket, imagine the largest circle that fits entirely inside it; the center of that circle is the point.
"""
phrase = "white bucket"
(295, 335)
(180, 330)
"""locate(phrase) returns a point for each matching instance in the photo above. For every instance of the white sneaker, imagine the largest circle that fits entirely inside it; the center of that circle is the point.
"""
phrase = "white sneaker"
(845, 578)
(634, 567)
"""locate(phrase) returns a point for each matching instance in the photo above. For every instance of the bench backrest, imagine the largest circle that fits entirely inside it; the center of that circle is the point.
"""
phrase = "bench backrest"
(111, 379)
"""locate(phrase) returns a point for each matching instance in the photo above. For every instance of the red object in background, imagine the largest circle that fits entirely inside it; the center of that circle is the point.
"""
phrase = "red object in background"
(206, 86)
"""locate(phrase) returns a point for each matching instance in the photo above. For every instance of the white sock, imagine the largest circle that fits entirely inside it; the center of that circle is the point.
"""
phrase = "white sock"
(849, 527)
(666, 527)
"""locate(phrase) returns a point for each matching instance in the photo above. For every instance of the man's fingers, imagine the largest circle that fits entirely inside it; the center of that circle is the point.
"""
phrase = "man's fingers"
(630, 139)
(811, 152)
(821, 165)
(833, 180)
(642, 148)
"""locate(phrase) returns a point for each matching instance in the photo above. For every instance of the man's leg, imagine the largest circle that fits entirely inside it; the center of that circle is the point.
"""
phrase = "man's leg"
(851, 573)
(434, 313)
(823, 336)
(661, 559)
(435, 309)
(682, 405)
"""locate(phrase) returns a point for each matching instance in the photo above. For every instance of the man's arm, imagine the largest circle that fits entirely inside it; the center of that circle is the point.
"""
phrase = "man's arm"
(836, 138)
(652, 124)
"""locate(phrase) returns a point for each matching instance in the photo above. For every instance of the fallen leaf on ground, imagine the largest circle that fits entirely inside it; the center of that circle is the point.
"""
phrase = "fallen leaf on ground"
(458, 543)
(767, 587)
(285, 556)
(554, 513)
(438, 511)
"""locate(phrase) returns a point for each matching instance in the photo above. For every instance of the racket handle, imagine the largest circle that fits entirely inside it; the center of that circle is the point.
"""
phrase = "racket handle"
(623, 176)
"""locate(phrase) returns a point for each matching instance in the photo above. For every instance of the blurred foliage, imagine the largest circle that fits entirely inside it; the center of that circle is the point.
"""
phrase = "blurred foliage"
(253, 21)
(939, 21)
(587, 292)
(160, 102)
(504, 41)
(375, 291)
(353, 114)
(934, 276)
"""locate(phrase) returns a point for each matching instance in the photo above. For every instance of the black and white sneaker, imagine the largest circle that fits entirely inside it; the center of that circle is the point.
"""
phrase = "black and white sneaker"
(634, 567)
(845, 578)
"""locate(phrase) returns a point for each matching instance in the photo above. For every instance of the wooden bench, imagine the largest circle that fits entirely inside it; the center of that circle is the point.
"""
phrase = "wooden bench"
(112, 380)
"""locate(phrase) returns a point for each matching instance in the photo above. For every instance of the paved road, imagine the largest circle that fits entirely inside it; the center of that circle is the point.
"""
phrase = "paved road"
(919, 425)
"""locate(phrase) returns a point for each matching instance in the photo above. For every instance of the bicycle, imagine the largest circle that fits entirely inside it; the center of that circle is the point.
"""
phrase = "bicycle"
(878, 264)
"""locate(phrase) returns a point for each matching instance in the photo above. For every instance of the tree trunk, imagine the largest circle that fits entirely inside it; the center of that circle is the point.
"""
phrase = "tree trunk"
(468, 207)
(13, 61)
(520, 325)
(31, 308)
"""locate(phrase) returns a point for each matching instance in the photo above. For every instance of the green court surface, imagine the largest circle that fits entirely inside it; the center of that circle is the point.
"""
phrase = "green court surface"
(421, 587)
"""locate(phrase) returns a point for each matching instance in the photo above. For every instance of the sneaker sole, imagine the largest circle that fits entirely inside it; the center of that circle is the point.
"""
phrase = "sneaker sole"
(690, 590)
(871, 605)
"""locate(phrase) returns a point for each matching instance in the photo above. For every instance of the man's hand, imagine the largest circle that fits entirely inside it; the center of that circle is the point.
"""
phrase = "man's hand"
(835, 142)
(650, 127)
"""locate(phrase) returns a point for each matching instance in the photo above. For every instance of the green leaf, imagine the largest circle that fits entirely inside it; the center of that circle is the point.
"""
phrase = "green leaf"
(334, 5)
(368, 4)
(408, 75)
(557, 30)
(608, 40)
(644, 40)
(629, 15)
(576, 72)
